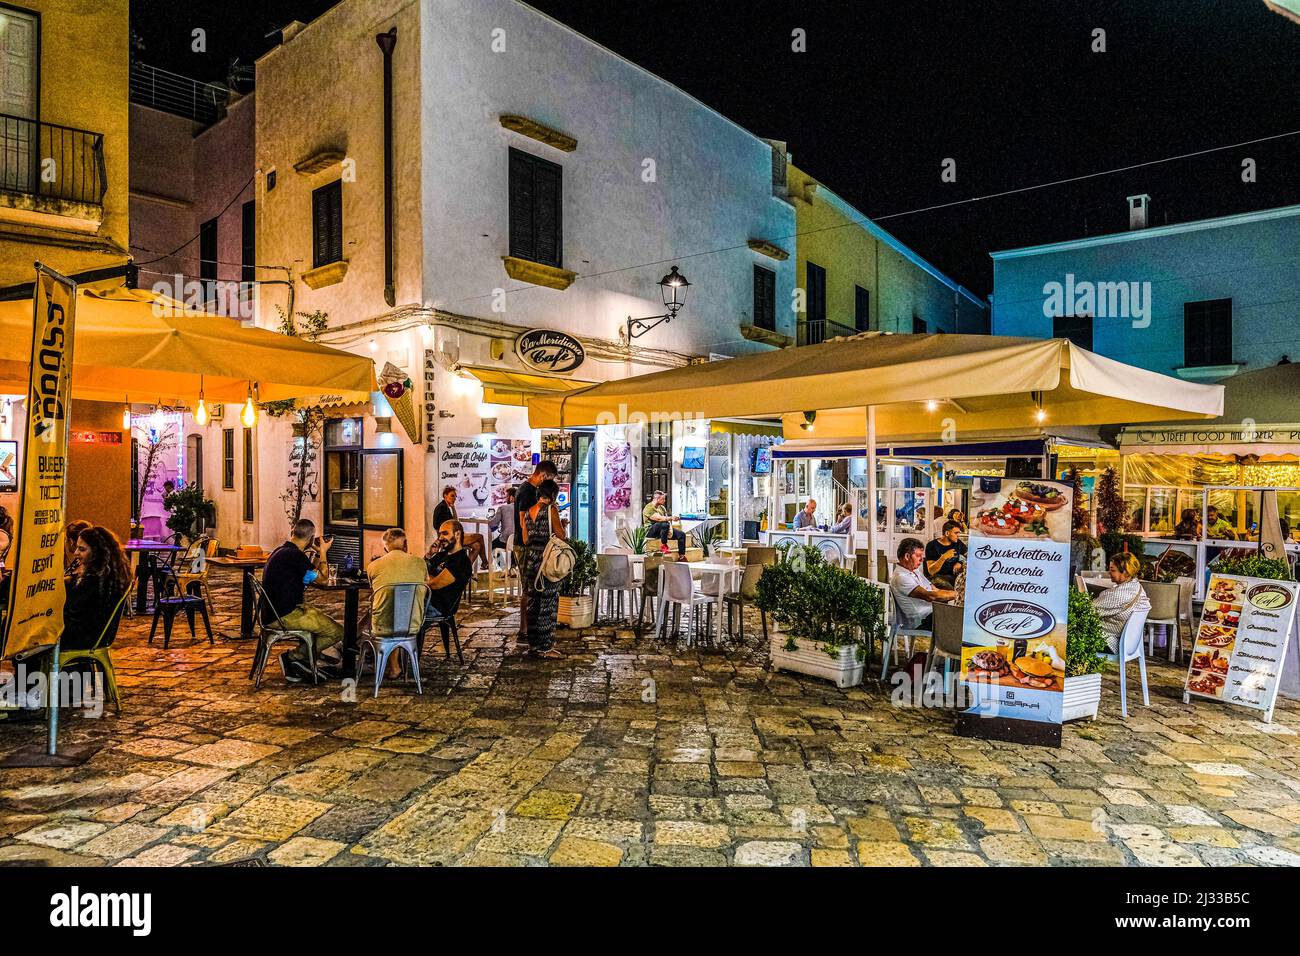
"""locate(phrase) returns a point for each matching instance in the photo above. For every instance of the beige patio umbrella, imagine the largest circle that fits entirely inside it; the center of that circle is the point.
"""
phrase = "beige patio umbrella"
(874, 385)
(136, 345)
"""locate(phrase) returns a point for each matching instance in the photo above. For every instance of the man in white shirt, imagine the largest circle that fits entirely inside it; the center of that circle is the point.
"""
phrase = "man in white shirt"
(913, 594)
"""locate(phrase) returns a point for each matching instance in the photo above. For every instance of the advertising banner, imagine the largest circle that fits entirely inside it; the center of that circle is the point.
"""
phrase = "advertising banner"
(1241, 641)
(37, 595)
(465, 464)
(1015, 607)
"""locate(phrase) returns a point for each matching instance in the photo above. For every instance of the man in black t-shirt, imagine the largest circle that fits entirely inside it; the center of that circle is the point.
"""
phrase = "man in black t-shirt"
(449, 570)
(288, 572)
(945, 555)
(525, 498)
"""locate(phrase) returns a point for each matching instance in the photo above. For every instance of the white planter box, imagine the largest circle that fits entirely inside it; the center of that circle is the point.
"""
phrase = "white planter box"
(812, 659)
(1082, 695)
(576, 612)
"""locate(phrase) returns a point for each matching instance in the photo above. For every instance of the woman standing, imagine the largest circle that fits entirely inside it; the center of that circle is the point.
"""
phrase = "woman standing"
(97, 582)
(541, 521)
(1115, 604)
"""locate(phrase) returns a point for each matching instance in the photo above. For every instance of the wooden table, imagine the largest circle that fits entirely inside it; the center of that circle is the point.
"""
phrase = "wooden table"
(351, 613)
(247, 600)
(145, 572)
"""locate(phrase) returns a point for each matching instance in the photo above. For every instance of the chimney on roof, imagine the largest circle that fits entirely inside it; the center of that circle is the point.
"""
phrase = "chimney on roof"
(290, 30)
(1137, 211)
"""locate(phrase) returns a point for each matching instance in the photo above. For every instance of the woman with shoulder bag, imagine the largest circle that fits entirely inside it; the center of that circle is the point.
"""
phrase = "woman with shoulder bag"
(541, 522)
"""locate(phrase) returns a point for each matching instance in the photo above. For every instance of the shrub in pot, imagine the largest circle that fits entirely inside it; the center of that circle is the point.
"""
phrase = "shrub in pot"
(823, 615)
(577, 609)
(189, 512)
(1084, 645)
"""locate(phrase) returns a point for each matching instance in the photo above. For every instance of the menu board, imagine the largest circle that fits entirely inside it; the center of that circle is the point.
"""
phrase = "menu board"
(463, 463)
(1241, 641)
(1015, 610)
(512, 464)
(618, 475)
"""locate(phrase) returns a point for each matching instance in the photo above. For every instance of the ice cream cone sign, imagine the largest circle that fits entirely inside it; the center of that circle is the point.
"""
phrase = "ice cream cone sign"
(396, 386)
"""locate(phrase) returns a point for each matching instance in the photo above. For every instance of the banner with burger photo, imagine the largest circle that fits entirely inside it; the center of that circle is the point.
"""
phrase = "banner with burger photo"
(1014, 610)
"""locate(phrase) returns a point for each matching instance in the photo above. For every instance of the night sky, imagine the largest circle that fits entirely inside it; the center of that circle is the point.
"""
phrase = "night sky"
(887, 90)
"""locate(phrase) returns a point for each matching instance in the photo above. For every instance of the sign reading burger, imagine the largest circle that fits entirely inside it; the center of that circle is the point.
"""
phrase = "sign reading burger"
(1014, 610)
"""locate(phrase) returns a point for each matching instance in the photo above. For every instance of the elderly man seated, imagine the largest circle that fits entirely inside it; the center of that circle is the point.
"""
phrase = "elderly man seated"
(913, 594)
(396, 566)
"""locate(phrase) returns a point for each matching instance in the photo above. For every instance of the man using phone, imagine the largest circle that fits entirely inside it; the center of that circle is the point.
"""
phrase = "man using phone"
(945, 556)
(288, 572)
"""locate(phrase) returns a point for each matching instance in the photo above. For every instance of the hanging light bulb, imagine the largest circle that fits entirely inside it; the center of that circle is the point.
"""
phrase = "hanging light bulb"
(201, 411)
(126, 415)
(374, 346)
(156, 421)
(248, 415)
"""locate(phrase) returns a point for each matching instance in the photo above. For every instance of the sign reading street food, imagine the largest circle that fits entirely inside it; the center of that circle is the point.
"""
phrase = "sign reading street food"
(1241, 641)
(37, 595)
(1014, 610)
(548, 351)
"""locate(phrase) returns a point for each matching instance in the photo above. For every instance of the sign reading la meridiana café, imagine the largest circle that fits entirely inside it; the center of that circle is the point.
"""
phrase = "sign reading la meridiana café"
(36, 615)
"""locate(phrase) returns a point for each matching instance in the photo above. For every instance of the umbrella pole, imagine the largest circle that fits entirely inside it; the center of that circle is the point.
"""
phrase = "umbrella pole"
(871, 492)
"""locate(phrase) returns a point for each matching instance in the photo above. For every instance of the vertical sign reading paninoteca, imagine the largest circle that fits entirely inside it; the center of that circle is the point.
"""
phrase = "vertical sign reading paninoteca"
(36, 614)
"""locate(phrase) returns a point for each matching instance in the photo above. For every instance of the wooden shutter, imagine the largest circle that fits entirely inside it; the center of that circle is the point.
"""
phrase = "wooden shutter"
(816, 293)
(536, 209)
(861, 309)
(327, 223)
(248, 242)
(522, 198)
(764, 298)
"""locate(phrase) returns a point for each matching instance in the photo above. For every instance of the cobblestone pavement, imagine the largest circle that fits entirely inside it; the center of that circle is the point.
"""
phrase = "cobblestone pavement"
(511, 761)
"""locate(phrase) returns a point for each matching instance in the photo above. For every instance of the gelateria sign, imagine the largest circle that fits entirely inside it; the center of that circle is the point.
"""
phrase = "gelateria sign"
(548, 351)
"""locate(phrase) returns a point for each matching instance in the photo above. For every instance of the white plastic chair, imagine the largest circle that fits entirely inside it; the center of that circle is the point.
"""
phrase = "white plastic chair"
(1163, 613)
(677, 587)
(899, 629)
(1186, 592)
(1078, 583)
(1131, 648)
(502, 571)
(614, 580)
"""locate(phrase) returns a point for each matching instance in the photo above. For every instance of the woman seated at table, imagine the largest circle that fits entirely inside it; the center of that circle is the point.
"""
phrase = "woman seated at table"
(1189, 525)
(97, 580)
(70, 536)
(843, 520)
(1115, 604)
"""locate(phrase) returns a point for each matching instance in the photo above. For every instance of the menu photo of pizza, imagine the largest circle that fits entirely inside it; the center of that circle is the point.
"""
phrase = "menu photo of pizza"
(1006, 508)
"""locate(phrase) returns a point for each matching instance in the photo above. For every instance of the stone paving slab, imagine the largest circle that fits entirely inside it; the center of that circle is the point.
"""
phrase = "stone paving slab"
(509, 761)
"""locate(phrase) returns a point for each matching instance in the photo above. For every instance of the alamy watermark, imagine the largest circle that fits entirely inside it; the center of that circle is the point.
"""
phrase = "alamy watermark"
(1102, 300)
(30, 689)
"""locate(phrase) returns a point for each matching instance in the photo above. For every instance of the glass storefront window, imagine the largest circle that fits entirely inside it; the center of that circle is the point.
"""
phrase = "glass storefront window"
(1135, 509)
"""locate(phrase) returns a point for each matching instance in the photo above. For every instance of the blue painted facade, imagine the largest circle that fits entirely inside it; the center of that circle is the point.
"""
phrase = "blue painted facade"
(1252, 259)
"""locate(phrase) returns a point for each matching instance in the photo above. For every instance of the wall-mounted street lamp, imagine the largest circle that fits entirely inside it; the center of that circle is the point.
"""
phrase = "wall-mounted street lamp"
(673, 286)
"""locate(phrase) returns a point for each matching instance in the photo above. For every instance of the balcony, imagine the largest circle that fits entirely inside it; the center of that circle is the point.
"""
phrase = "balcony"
(51, 175)
(816, 331)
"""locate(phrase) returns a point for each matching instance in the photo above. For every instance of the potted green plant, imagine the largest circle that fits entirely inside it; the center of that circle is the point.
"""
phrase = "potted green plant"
(634, 539)
(189, 512)
(1251, 564)
(1084, 645)
(822, 615)
(577, 607)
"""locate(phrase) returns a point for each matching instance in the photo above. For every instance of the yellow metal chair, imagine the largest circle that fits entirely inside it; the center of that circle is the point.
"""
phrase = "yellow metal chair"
(99, 654)
(193, 568)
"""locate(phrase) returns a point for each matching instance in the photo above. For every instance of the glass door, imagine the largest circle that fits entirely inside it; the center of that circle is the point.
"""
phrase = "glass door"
(584, 497)
(343, 488)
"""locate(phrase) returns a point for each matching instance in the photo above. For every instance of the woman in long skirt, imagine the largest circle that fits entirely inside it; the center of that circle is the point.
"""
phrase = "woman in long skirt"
(541, 521)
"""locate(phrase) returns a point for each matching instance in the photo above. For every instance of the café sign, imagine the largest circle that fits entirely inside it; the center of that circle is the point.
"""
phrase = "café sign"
(548, 351)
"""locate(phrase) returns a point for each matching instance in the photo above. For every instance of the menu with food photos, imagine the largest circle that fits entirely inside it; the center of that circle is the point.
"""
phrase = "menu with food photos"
(1015, 609)
(1241, 641)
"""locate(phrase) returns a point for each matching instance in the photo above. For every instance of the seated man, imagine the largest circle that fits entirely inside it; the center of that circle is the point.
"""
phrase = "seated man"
(503, 525)
(446, 511)
(396, 566)
(844, 520)
(448, 570)
(660, 524)
(288, 572)
(945, 556)
(913, 595)
(807, 518)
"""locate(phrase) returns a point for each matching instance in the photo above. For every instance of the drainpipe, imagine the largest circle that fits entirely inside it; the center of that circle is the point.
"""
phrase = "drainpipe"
(386, 43)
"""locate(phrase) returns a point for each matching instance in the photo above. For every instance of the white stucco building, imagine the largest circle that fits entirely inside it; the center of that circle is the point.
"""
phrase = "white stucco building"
(538, 181)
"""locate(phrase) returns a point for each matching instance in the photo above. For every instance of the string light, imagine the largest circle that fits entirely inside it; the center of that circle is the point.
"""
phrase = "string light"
(126, 413)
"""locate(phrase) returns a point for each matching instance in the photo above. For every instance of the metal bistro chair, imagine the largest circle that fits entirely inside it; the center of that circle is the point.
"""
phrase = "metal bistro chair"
(1163, 614)
(407, 603)
(172, 599)
(946, 645)
(736, 600)
(192, 569)
(760, 554)
(270, 635)
(614, 582)
(446, 626)
(98, 653)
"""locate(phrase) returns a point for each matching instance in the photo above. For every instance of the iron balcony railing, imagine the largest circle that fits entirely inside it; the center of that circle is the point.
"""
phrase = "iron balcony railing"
(815, 331)
(204, 103)
(46, 159)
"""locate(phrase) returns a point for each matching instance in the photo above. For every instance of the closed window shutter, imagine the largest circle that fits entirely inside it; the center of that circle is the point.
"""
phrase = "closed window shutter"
(764, 298)
(327, 223)
(522, 198)
(546, 182)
